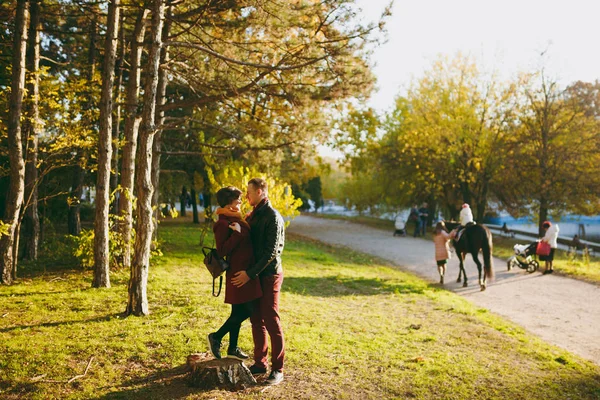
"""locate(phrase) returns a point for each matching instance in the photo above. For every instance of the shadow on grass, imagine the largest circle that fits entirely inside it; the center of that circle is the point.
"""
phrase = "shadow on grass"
(102, 318)
(343, 286)
(169, 384)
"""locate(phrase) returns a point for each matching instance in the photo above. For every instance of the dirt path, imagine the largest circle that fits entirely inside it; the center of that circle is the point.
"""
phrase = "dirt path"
(562, 311)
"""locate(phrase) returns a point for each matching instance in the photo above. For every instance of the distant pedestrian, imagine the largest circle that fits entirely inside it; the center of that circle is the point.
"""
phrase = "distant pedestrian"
(551, 237)
(442, 251)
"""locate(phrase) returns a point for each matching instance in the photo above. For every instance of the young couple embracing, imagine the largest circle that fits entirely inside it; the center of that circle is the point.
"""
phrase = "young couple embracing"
(253, 247)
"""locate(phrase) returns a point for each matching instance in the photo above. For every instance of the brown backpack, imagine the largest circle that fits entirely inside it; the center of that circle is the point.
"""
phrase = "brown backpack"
(215, 265)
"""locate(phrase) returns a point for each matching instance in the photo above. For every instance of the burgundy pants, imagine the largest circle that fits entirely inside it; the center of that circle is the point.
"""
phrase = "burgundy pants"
(265, 319)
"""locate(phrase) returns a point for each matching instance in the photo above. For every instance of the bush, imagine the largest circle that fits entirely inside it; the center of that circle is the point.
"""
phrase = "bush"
(280, 193)
(84, 250)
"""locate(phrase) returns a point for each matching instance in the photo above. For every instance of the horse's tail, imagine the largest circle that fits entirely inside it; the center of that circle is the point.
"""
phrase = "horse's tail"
(486, 248)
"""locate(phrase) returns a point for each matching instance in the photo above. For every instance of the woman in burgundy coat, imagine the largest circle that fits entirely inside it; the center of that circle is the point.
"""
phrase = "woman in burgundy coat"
(232, 237)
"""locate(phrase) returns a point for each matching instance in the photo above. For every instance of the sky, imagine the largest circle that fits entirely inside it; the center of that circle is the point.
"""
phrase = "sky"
(507, 36)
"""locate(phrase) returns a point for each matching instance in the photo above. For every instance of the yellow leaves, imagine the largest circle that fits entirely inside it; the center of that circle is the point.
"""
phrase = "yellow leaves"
(280, 192)
(4, 228)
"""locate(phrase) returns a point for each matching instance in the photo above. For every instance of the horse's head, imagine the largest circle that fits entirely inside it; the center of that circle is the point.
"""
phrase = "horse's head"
(450, 225)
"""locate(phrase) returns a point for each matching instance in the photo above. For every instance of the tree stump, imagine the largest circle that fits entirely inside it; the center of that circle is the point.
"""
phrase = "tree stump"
(227, 373)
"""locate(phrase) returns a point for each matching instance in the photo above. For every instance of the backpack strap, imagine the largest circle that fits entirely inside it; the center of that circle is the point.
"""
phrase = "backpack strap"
(220, 285)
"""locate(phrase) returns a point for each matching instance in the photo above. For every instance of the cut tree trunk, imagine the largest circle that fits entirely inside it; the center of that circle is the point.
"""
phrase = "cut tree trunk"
(14, 198)
(31, 220)
(101, 230)
(226, 373)
(132, 124)
(138, 299)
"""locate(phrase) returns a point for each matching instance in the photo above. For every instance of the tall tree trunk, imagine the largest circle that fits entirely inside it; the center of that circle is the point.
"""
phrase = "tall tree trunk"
(132, 123)
(114, 170)
(543, 216)
(101, 252)
(183, 201)
(160, 118)
(14, 198)
(31, 220)
(194, 205)
(74, 218)
(482, 200)
(543, 157)
(138, 299)
(206, 196)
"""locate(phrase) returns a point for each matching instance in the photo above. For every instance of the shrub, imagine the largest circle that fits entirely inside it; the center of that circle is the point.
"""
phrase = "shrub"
(280, 193)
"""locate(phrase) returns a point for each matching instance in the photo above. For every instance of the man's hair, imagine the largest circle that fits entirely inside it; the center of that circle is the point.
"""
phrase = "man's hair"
(228, 194)
(259, 183)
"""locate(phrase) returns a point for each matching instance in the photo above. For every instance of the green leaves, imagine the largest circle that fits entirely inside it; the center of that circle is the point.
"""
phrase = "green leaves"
(460, 135)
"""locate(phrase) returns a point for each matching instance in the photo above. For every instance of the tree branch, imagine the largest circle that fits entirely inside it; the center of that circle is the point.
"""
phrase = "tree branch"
(276, 67)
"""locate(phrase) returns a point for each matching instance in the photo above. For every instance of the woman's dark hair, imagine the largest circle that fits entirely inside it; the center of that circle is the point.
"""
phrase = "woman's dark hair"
(546, 224)
(228, 194)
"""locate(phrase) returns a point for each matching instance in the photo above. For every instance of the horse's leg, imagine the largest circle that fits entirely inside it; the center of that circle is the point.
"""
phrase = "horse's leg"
(481, 280)
(461, 260)
(460, 268)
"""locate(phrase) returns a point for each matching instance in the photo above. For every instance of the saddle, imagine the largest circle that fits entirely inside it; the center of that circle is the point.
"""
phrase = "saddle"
(461, 229)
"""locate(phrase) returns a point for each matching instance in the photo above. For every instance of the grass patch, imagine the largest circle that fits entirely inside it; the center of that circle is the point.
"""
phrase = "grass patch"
(355, 328)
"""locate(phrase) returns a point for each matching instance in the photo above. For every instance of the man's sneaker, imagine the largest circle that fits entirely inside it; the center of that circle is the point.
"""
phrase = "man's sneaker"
(275, 378)
(237, 354)
(256, 370)
(214, 345)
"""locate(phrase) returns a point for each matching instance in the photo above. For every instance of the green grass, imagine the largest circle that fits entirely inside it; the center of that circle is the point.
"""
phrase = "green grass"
(355, 328)
(574, 265)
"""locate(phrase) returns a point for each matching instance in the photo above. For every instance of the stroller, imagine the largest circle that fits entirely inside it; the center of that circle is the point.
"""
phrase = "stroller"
(524, 258)
(400, 225)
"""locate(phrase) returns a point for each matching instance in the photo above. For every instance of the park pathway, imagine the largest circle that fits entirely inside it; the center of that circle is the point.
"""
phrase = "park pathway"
(562, 311)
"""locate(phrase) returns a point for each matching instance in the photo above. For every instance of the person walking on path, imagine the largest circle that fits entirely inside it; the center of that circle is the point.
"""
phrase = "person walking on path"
(442, 251)
(551, 237)
(268, 237)
(232, 239)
